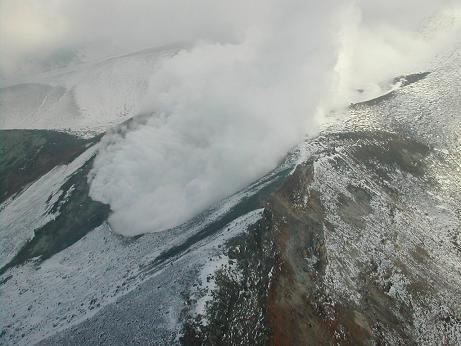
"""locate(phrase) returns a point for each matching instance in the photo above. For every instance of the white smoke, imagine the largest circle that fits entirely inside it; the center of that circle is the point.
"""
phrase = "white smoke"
(226, 110)
(222, 114)
(383, 40)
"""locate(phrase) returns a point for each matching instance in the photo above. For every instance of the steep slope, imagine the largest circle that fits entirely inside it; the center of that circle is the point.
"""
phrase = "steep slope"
(28, 154)
(361, 244)
(115, 269)
(45, 205)
(357, 247)
(368, 253)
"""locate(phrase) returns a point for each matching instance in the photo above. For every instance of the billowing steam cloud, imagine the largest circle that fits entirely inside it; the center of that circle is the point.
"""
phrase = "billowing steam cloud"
(225, 110)
(383, 39)
(222, 114)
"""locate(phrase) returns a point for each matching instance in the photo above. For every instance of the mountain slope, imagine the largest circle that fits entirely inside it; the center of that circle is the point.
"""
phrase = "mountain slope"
(354, 239)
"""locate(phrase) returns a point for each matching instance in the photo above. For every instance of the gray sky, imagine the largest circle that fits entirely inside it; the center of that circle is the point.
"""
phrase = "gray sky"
(32, 31)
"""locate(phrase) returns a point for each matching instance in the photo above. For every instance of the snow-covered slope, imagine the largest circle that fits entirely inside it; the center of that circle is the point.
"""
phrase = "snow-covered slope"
(113, 266)
(83, 98)
(32, 209)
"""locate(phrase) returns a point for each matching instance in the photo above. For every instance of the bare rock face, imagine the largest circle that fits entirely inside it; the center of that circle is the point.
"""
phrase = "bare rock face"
(359, 261)
(363, 239)
(347, 252)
